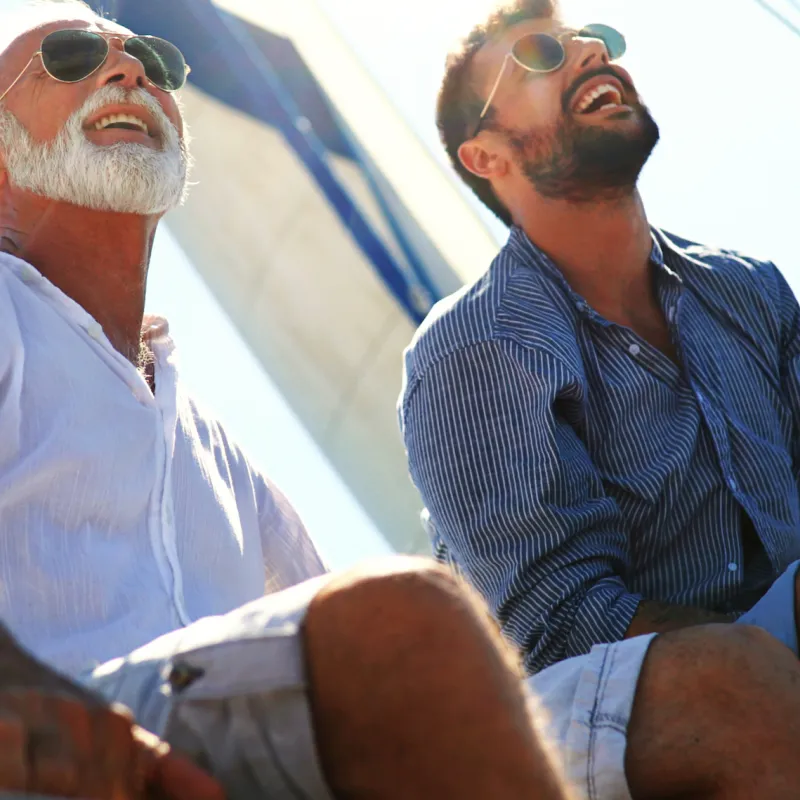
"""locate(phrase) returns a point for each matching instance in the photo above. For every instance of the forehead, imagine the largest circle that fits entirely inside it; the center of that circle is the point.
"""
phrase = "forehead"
(489, 58)
(16, 55)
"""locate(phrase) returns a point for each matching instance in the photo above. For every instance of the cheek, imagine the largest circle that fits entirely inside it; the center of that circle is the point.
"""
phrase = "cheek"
(60, 102)
(537, 107)
(45, 127)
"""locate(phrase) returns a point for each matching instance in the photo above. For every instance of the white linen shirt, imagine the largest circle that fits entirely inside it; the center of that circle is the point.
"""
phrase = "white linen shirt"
(123, 514)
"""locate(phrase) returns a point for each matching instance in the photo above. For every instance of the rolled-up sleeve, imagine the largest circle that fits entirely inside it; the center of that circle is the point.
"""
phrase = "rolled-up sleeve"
(516, 500)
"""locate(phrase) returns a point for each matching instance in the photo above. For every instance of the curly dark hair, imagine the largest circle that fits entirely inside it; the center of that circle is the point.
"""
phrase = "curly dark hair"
(459, 105)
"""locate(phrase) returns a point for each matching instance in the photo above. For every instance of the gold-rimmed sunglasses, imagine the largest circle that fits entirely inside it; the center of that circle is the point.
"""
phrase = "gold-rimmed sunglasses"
(69, 56)
(543, 53)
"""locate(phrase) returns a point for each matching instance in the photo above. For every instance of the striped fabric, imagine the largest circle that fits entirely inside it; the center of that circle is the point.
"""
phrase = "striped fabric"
(570, 469)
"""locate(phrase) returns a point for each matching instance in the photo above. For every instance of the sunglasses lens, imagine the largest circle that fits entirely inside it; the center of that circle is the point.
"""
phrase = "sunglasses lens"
(71, 56)
(163, 63)
(539, 52)
(613, 40)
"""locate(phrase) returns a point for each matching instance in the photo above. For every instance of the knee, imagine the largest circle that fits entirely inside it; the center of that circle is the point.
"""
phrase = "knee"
(404, 615)
(726, 663)
(400, 597)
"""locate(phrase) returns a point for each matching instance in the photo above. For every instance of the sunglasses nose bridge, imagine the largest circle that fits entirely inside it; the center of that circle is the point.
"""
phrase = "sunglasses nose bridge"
(120, 66)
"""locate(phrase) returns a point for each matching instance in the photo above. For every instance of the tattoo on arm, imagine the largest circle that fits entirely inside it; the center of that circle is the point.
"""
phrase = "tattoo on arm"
(655, 617)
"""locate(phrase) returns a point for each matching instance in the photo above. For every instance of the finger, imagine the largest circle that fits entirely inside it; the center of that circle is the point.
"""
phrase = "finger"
(53, 767)
(116, 753)
(176, 778)
(75, 721)
(13, 753)
(53, 763)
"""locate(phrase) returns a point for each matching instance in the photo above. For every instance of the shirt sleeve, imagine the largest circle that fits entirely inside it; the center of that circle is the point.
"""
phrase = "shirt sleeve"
(790, 358)
(516, 500)
(290, 556)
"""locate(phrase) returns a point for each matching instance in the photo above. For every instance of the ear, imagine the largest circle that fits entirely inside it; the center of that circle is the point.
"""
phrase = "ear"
(482, 161)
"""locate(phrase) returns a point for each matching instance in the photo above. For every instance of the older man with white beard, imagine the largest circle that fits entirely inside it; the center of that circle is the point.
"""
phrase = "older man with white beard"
(136, 540)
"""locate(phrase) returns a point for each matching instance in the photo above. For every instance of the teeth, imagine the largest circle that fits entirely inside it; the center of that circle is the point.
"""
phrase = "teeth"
(589, 98)
(115, 118)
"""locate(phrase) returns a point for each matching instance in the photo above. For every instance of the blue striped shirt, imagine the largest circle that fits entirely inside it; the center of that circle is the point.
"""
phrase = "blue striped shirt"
(570, 469)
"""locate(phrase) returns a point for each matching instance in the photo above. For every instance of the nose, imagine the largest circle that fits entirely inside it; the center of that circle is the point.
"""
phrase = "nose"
(121, 68)
(590, 53)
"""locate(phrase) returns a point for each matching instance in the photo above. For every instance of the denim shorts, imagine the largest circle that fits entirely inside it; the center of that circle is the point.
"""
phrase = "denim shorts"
(231, 693)
(585, 703)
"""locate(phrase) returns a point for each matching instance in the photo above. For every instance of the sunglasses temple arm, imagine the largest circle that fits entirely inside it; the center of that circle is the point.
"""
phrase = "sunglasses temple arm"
(496, 86)
(17, 79)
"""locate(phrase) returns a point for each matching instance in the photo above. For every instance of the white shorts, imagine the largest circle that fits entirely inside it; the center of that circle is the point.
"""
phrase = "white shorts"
(230, 692)
(587, 701)
(585, 706)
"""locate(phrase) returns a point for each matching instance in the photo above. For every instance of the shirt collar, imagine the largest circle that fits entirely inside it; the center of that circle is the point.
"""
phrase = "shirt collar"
(531, 256)
(155, 329)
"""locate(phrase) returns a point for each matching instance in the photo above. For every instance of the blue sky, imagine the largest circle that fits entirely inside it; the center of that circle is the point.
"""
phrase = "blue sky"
(720, 77)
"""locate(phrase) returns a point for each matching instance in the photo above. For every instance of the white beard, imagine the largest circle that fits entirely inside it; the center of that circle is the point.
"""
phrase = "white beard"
(126, 177)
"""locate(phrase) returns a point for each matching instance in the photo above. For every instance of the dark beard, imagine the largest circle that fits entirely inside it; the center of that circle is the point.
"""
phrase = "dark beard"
(585, 164)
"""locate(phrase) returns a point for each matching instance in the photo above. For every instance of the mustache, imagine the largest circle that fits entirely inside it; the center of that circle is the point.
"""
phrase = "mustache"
(570, 94)
(107, 95)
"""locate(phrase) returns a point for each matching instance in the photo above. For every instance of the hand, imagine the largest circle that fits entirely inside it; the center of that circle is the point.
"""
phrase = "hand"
(56, 745)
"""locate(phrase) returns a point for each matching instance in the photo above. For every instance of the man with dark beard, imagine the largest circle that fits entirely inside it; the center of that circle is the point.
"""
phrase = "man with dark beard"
(604, 427)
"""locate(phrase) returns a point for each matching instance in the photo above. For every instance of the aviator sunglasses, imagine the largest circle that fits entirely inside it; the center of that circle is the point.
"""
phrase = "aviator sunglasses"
(543, 53)
(69, 56)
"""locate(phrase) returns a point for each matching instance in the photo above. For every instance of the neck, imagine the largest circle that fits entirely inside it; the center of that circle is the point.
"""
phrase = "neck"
(97, 258)
(602, 249)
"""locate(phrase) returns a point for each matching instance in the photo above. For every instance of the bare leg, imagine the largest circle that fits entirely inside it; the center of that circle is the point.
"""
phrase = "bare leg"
(414, 695)
(717, 715)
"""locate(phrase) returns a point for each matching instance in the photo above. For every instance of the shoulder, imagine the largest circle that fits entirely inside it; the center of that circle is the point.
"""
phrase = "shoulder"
(750, 291)
(724, 269)
(208, 434)
(514, 304)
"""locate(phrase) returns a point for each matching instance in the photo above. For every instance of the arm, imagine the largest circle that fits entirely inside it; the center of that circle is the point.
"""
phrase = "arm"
(790, 358)
(513, 494)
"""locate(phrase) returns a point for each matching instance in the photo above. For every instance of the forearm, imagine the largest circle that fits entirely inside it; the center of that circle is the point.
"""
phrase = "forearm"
(654, 617)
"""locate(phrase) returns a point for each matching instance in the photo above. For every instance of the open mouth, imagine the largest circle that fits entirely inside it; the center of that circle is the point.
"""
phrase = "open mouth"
(600, 98)
(125, 122)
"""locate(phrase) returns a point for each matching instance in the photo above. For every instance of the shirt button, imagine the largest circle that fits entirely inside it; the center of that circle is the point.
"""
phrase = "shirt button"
(634, 349)
(733, 567)
(95, 330)
(734, 486)
(671, 314)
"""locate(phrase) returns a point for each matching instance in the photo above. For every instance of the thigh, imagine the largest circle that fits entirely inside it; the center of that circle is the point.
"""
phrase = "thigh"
(583, 707)
(230, 692)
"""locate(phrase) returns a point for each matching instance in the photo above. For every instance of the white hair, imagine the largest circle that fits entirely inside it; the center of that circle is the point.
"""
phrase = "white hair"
(25, 15)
